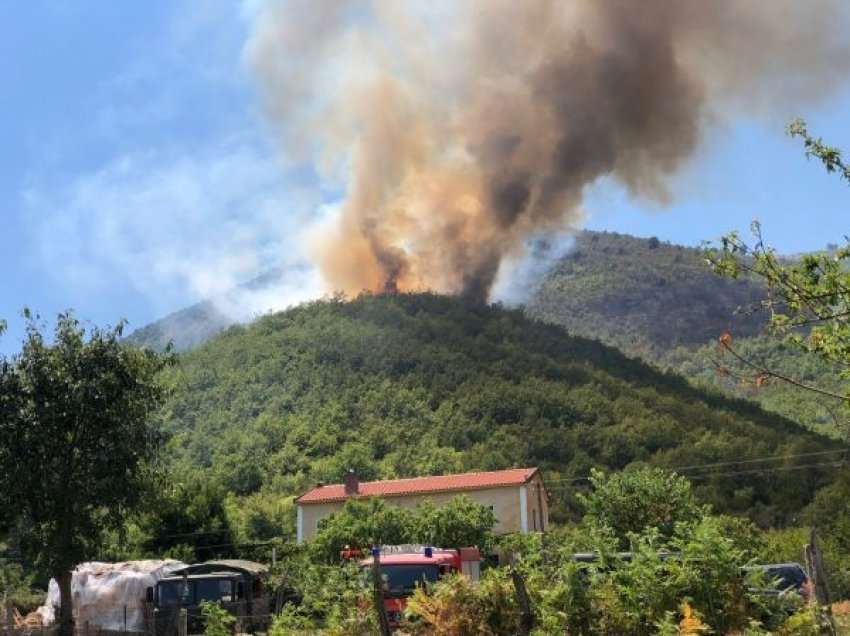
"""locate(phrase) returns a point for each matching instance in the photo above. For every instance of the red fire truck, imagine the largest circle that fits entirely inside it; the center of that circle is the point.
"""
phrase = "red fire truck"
(403, 568)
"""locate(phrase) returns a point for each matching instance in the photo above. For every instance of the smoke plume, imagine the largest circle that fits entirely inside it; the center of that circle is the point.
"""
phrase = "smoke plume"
(459, 129)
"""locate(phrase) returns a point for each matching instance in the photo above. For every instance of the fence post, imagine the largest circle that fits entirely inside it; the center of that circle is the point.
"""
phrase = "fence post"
(813, 553)
(182, 622)
(378, 593)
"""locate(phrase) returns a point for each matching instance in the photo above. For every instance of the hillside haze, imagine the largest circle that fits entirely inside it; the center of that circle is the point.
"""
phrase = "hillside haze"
(641, 295)
(394, 386)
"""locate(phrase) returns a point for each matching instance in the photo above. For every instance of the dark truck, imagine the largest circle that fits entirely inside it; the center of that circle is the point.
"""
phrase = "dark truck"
(238, 586)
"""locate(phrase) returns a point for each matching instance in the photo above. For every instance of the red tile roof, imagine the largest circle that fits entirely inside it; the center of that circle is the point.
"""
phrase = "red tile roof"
(421, 485)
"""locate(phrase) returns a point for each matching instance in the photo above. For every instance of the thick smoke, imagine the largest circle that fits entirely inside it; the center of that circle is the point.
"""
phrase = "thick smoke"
(460, 129)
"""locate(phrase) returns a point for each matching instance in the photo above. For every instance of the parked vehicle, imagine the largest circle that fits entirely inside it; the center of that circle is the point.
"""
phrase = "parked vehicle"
(782, 578)
(238, 586)
(404, 568)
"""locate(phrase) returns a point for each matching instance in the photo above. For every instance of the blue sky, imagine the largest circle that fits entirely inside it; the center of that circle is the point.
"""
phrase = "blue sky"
(137, 173)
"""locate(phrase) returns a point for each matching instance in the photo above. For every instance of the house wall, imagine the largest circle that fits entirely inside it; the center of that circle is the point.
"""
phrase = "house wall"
(505, 501)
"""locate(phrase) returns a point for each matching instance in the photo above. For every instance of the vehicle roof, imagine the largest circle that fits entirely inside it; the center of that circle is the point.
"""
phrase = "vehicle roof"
(195, 577)
(439, 558)
(224, 565)
(776, 566)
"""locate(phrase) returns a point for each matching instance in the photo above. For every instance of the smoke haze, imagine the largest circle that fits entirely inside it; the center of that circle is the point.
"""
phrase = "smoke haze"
(461, 132)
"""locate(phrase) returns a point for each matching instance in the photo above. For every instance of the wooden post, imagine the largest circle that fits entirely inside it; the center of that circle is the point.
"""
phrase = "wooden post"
(526, 615)
(378, 593)
(815, 559)
(183, 622)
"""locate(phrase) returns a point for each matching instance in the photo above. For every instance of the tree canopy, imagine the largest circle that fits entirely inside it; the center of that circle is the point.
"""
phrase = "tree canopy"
(419, 384)
(76, 442)
(808, 300)
(362, 524)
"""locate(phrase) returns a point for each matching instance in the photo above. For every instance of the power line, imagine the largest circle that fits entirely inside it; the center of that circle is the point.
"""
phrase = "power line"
(769, 470)
(732, 473)
(194, 534)
(760, 459)
(716, 464)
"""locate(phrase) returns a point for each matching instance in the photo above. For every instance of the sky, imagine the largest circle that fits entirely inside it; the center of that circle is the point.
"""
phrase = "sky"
(139, 175)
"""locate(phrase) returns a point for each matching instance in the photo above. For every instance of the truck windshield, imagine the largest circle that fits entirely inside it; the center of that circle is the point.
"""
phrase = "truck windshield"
(213, 590)
(172, 593)
(402, 580)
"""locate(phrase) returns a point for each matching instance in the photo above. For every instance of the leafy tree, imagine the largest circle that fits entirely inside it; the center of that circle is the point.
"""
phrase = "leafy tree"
(632, 501)
(186, 520)
(360, 524)
(363, 523)
(808, 301)
(76, 442)
(461, 522)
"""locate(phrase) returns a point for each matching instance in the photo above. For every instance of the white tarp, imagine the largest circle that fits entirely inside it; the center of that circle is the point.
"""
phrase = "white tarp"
(101, 591)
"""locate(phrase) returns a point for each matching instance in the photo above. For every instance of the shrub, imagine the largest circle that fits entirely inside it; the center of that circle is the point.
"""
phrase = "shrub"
(631, 501)
(456, 607)
(217, 620)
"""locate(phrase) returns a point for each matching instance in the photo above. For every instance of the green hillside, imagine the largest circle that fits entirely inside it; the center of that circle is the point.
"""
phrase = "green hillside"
(661, 302)
(648, 298)
(424, 384)
(709, 366)
(184, 329)
(644, 296)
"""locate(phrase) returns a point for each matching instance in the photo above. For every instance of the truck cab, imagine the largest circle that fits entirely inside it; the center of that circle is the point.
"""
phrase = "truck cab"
(404, 568)
(238, 586)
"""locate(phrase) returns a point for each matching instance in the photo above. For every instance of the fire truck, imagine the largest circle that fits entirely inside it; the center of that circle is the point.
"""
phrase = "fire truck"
(406, 567)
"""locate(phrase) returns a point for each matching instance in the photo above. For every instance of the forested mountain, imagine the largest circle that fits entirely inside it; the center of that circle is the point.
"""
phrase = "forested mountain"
(661, 302)
(184, 329)
(710, 366)
(187, 328)
(644, 296)
(648, 298)
(423, 384)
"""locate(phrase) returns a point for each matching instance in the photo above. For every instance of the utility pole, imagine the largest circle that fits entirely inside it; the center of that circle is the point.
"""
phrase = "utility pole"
(378, 593)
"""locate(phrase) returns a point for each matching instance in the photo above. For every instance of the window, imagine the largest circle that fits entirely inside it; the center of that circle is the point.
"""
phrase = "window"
(213, 590)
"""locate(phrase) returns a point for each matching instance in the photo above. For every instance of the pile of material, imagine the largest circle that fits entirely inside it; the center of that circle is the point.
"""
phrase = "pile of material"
(30, 621)
(109, 596)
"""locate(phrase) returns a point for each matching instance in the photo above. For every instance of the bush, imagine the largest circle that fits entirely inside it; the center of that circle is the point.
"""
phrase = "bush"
(455, 606)
(217, 620)
(629, 502)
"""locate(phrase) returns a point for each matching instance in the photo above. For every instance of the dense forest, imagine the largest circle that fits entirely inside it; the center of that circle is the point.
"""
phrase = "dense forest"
(661, 302)
(648, 298)
(422, 384)
(644, 296)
